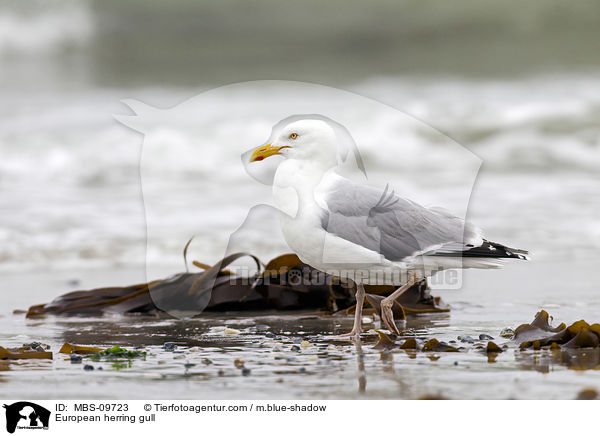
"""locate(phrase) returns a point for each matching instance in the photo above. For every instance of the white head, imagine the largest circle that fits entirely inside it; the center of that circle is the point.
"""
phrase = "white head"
(312, 140)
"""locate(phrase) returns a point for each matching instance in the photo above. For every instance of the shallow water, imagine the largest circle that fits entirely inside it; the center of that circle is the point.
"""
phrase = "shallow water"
(329, 368)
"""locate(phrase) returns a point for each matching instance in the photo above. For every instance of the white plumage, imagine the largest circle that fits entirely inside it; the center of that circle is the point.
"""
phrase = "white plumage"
(369, 235)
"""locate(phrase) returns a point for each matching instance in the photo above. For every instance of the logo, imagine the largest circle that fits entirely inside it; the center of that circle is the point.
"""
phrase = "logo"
(26, 415)
(200, 143)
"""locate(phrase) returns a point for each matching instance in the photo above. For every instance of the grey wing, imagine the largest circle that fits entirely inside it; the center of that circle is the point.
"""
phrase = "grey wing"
(395, 227)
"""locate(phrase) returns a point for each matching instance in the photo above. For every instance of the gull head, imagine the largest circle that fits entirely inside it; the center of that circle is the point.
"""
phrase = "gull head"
(312, 140)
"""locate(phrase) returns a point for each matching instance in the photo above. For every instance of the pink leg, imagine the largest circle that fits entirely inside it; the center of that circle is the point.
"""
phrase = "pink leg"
(360, 300)
(387, 316)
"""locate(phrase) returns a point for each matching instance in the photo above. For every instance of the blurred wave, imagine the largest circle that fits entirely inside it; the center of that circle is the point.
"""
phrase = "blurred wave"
(70, 180)
(521, 125)
(44, 28)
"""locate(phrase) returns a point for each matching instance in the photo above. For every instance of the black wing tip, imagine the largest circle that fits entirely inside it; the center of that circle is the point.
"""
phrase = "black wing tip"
(509, 253)
(489, 250)
(498, 251)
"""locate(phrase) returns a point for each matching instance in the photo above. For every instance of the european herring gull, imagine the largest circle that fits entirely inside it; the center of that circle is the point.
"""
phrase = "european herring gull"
(370, 235)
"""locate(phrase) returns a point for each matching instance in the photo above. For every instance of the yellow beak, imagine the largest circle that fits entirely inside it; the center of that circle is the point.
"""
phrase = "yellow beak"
(265, 151)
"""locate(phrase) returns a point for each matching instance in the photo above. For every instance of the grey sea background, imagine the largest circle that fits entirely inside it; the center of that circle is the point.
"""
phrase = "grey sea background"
(516, 84)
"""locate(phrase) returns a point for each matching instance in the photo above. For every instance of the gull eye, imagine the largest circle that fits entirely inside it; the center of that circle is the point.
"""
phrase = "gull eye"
(293, 135)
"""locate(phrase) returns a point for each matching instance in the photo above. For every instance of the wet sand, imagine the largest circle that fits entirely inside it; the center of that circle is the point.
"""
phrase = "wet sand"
(282, 366)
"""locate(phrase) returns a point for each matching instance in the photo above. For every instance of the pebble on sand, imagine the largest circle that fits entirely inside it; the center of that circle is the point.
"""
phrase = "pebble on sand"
(305, 344)
(588, 394)
(169, 346)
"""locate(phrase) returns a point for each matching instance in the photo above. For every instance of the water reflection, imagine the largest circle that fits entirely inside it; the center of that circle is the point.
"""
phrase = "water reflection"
(387, 358)
(360, 360)
(544, 360)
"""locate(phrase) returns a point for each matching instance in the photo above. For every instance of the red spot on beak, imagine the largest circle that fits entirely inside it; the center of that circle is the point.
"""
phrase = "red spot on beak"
(259, 158)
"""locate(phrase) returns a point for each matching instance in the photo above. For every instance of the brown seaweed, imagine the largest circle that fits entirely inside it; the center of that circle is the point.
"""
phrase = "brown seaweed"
(576, 346)
(410, 344)
(435, 345)
(538, 329)
(24, 352)
(539, 334)
(285, 283)
(68, 348)
(582, 339)
(384, 342)
(492, 348)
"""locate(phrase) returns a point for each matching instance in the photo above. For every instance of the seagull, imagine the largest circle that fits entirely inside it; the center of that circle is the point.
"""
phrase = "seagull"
(366, 234)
